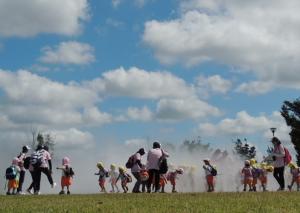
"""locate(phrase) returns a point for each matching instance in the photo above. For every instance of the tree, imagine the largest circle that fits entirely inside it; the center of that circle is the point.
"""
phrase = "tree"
(195, 145)
(244, 150)
(291, 113)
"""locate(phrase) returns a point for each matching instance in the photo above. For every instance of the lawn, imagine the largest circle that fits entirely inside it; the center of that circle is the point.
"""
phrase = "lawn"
(181, 202)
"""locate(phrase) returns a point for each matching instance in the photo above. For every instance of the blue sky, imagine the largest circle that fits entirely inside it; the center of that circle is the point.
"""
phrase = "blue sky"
(128, 70)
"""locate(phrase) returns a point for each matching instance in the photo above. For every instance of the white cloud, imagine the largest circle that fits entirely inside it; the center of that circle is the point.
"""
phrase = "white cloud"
(142, 84)
(136, 142)
(255, 87)
(116, 3)
(255, 36)
(143, 114)
(31, 99)
(73, 139)
(114, 23)
(213, 84)
(180, 109)
(246, 124)
(31, 17)
(70, 52)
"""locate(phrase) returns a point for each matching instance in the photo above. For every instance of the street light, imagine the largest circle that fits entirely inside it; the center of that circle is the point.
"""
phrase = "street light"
(273, 129)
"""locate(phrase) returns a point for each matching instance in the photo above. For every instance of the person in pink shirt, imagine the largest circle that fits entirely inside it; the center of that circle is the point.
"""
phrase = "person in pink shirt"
(278, 155)
(153, 158)
(247, 174)
(21, 157)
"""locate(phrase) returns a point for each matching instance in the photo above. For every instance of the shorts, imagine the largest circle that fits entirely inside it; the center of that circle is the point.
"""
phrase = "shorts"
(124, 182)
(66, 181)
(263, 180)
(297, 180)
(113, 181)
(13, 184)
(210, 179)
(101, 183)
(248, 181)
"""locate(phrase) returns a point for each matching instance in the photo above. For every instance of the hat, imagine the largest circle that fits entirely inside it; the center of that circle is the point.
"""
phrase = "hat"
(206, 159)
(100, 165)
(25, 148)
(66, 161)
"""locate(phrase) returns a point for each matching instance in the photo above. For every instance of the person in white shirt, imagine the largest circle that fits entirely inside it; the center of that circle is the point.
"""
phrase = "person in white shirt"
(136, 168)
(153, 158)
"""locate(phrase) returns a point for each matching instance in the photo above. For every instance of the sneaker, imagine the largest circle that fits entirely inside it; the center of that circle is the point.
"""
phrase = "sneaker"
(8, 193)
(290, 187)
(68, 192)
(62, 192)
(37, 193)
(29, 191)
(53, 185)
(21, 193)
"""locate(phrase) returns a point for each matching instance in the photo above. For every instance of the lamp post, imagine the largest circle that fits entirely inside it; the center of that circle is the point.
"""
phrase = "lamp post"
(273, 129)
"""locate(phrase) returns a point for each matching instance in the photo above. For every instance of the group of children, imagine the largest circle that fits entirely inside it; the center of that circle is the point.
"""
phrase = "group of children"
(254, 172)
(13, 172)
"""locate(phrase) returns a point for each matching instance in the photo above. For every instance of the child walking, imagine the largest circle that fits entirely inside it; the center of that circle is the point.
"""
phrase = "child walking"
(125, 178)
(210, 173)
(162, 182)
(172, 176)
(113, 178)
(103, 174)
(12, 175)
(67, 175)
(296, 176)
(144, 175)
(247, 176)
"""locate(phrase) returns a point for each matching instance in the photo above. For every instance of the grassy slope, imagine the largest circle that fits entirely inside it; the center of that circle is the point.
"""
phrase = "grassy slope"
(197, 202)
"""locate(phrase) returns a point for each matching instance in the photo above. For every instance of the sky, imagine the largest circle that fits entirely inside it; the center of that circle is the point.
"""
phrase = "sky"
(124, 73)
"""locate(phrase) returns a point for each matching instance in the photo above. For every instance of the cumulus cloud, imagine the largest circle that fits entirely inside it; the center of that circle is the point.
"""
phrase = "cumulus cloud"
(32, 99)
(246, 124)
(180, 109)
(213, 84)
(255, 87)
(70, 52)
(29, 18)
(142, 114)
(254, 36)
(142, 84)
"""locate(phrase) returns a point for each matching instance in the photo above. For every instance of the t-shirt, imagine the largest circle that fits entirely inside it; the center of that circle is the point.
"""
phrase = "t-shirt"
(102, 174)
(46, 158)
(153, 158)
(21, 158)
(207, 169)
(247, 172)
(279, 153)
(113, 175)
(295, 173)
(136, 157)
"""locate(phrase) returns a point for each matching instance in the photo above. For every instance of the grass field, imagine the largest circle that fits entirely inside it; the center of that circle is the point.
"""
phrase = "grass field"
(182, 202)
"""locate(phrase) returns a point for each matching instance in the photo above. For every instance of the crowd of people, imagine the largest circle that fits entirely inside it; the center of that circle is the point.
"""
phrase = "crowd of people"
(151, 176)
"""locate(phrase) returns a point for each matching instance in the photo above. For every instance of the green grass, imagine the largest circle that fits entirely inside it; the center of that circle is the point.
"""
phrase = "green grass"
(280, 202)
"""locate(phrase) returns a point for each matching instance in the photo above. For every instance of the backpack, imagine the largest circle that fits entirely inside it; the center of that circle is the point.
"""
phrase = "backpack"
(163, 165)
(26, 162)
(37, 158)
(130, 162)
(287, 157)
(213, 171)
(69, 171)
(11, 173)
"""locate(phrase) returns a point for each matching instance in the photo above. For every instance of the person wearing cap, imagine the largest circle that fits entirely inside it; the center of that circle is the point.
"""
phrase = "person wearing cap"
(136, 168)
(21, 157)
(153, 158)
(278, 155)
